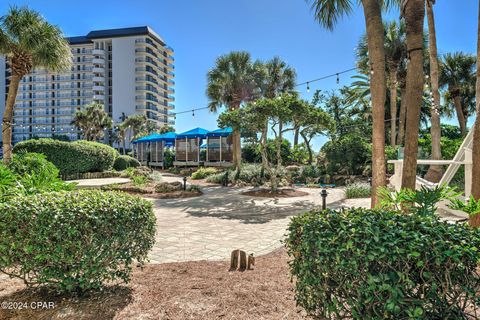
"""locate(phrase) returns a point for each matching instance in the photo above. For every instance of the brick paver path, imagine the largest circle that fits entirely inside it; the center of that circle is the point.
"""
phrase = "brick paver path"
(209, 227)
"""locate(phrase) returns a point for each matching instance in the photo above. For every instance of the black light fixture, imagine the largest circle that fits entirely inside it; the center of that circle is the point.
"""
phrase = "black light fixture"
(338, 79)
(308, 86)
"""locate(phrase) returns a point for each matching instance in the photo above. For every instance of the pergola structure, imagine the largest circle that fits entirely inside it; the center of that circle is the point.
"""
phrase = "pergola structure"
(187, 147)
(219, 148)
(149, 150)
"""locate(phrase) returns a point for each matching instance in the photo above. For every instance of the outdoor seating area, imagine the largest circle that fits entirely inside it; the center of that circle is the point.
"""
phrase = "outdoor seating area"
(187, 145)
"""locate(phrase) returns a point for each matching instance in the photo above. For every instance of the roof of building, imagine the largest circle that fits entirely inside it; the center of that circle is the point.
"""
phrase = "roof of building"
(194, 133)
(169, 137)
(224, 132)
(114, 33)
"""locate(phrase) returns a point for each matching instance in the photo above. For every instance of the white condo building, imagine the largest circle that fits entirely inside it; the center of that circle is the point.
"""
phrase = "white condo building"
(128, 70)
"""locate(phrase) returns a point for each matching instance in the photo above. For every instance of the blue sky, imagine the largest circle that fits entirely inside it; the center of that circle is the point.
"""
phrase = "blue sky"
(201, 30)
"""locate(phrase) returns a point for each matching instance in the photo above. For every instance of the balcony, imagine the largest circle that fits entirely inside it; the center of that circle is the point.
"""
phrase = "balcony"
(98, 52)
(98, 97)
(98, 88)
(98, 60)
(98, 79)
(98, 70)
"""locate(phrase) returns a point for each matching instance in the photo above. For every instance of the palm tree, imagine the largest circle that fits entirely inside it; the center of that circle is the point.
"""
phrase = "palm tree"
(327, 13)
(120, 136)
(165, 129)
(476, 127)
(435, 172)
(413, 12)
(456, 74)
(92, 121)
(395, 54)
(28, 41)
(135, 123)
(231, 82)
(279, 78)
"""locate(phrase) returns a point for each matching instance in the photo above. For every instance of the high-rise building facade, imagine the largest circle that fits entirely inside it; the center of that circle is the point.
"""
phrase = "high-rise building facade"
(128, 70)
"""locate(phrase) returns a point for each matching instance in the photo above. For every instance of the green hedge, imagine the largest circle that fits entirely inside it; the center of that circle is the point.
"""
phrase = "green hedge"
(366, 264)
(124, 162)
(202, 173)
(74, 241)
(72, 157)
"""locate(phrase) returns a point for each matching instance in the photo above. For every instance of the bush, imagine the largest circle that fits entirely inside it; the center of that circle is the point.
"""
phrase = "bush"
(367, 264)
(358, 190)
(30, 173)
(166, 187)
(124, 162)
(346, 155)
(168, 158)
(202, 173)
(72, 157)
(74, 241)
(218, 178)
(308, 174)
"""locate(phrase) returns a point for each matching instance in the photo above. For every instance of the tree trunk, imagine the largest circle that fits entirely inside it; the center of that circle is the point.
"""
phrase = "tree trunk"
(237, 151)
(279, 144)
(309, 149)
(434, 173)
(8, 118)
(295, 136)
(414, 13)
(266, 163)
(402, 117)
(376, 50)
(393, 105)
(462, 122)
(476, 128)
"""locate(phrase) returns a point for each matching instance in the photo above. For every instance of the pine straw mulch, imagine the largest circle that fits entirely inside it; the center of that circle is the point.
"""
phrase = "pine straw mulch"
(281, 193)
(186, 290)
(149, 191)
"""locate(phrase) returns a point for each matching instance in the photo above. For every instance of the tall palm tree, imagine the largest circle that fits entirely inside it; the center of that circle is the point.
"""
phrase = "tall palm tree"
(135, 124)
(327, 13)
(476, 127)
(395, 54)
(413, 12)
(92, 120)
(232, 82)
(457, 75)
(28, 41)
(279, 78)
(435, 172)
(120, 136)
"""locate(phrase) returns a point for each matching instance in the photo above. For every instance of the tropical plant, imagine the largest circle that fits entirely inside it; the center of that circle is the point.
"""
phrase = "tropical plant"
(202, 173)
(277, 79)
(327, 13)
(123, 162)
(358, 190)
(135, 123)
(413, 11)
(28, 41)
(93, 121)
(457, 76)
(421, 202)
(232, 82)
(471, 207)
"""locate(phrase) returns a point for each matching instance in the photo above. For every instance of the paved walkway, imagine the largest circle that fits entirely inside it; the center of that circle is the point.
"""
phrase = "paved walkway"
(209, 227)
(96, 183)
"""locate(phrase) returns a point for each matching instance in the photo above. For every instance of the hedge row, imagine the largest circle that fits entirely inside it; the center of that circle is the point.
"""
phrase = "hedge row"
(366, 264)
(72, 157)
(74, 241)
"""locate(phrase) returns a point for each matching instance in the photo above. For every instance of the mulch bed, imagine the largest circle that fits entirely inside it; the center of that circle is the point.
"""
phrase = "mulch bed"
(174, 194)
(174, 291)
(281, 193)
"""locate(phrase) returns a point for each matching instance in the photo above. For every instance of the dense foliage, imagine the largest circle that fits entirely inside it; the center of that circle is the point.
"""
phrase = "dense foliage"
(29, 173)
(346, 154)
(123, 162)
(358, 190)
(202, 173)
(72, 157)
(74, 241)
(367, 264)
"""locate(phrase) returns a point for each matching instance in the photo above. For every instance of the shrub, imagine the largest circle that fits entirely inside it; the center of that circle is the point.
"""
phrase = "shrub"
(136, 172)
(139, 180)
(358, 190)
(168, 158)
(347, 154)
(367, 264)
(72, 157)
(74, 241)
(166, 187)
(218, 178)
(123, 162)
(194, 188)
(308, 174)
(202, 173)
(30, 173)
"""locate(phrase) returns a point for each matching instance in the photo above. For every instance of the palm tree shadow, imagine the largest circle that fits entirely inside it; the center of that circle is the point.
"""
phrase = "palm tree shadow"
(103, 304)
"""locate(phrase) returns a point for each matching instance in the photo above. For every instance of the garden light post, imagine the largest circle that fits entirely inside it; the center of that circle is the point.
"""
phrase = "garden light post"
(225, 179)
(324, 194)
(184, 183)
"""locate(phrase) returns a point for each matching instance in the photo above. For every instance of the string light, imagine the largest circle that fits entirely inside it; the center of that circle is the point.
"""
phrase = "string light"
(338, 79)
(308, 86)
(193, 112)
